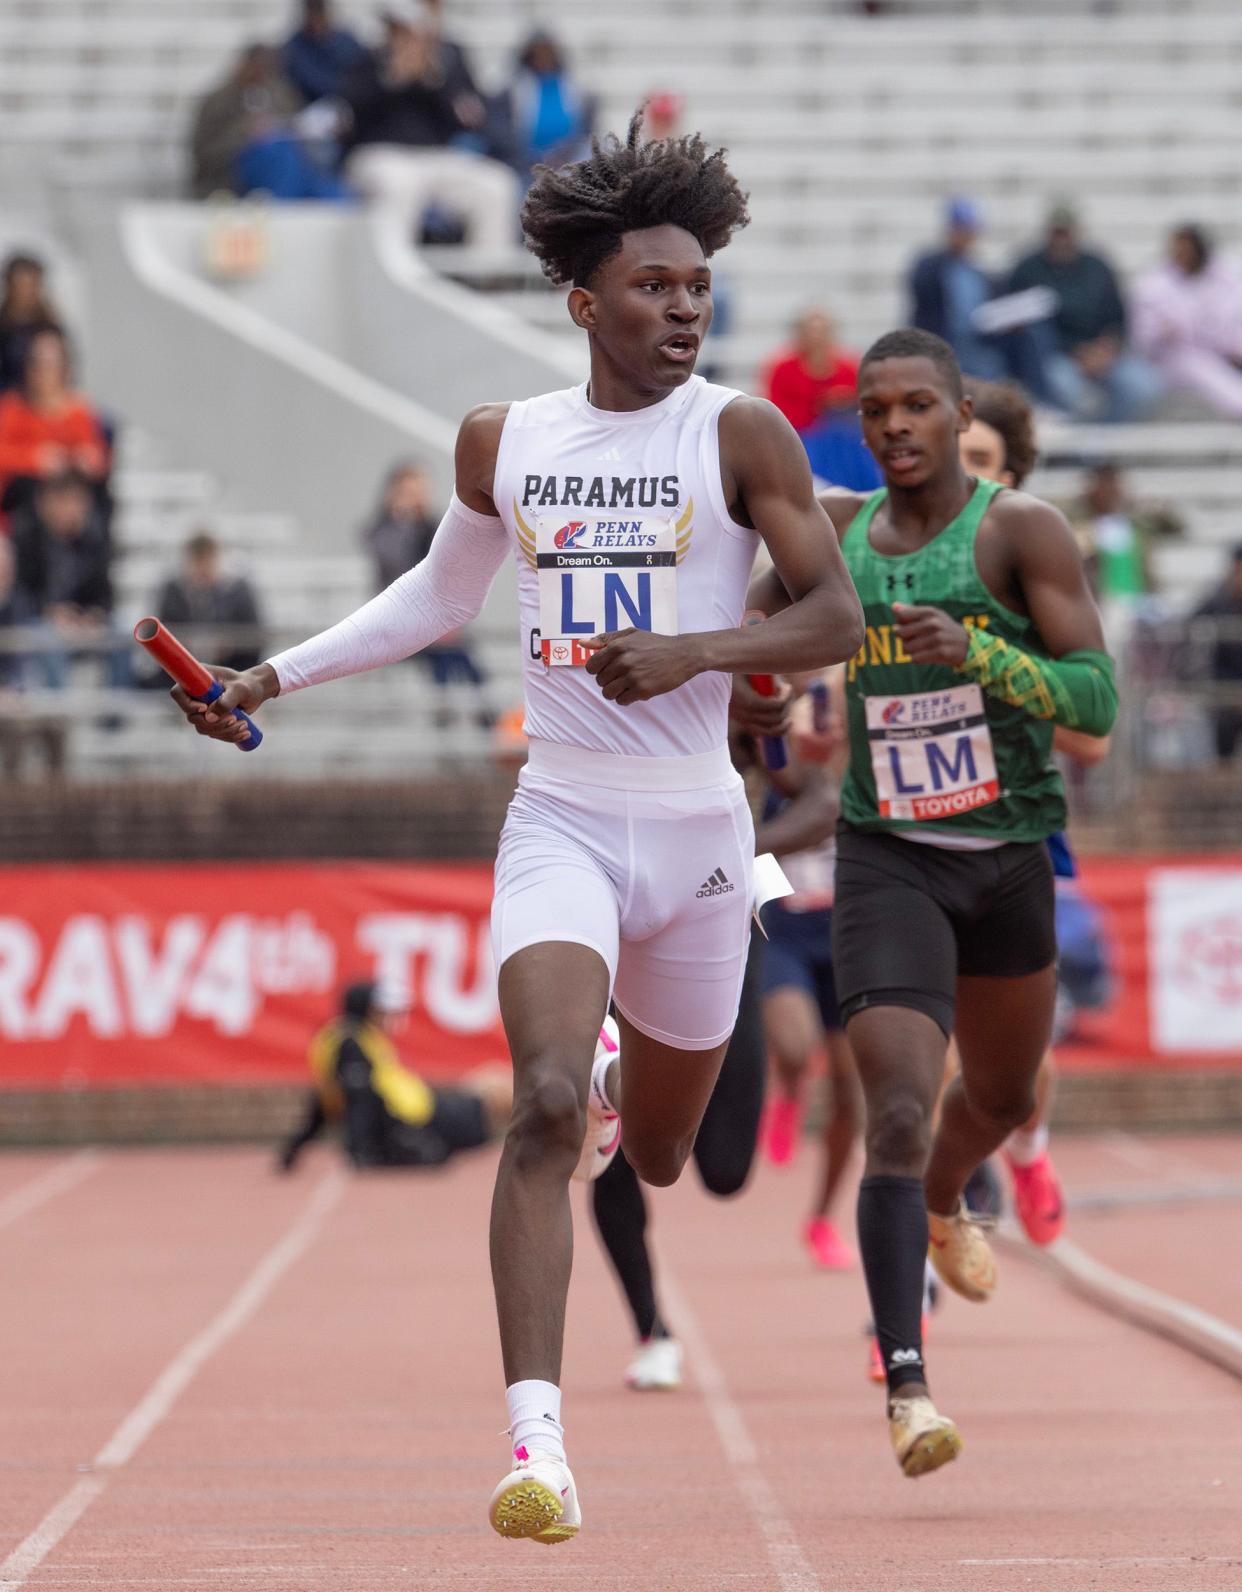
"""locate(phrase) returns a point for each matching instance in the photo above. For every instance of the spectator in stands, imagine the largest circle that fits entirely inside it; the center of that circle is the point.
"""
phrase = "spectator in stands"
(204, 602)
(814, 383)
(1116, 535)
(399, 537)
(663, 115)
(46, 427)
(815, 376)
(947, 285)
(1087, 368)
(549, 116)
(16, 609)
(246, 139)
(19, 727)
(24, 310)
(318, 58)
(413, 103)
(390, 1116)
(1188, 321)
(399, 533)
(1224, 607)
(61, 546)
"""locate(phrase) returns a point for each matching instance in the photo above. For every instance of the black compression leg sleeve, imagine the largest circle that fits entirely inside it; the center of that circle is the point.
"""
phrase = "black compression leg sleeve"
(892, 1234)
(725, 1148)
(621, 1216)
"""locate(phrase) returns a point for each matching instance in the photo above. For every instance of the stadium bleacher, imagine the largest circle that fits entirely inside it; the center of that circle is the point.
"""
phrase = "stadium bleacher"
(849, 130)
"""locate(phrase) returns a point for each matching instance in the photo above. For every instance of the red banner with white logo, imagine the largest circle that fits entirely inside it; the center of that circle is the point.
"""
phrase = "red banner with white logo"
(1173, 928)
(116, 974)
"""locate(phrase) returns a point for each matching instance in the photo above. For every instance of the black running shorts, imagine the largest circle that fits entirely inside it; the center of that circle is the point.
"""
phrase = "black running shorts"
(909, 919)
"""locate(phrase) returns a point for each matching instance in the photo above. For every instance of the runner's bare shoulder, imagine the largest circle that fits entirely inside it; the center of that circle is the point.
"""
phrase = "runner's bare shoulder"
(478, 443)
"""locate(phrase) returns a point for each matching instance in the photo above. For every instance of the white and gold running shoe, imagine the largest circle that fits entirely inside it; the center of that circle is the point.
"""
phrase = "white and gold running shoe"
(923, 1439)
(960, 1252)
(537, 1499)
(603, 1129)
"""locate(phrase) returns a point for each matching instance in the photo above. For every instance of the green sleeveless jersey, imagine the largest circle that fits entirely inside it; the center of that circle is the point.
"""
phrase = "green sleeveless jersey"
(929, 749)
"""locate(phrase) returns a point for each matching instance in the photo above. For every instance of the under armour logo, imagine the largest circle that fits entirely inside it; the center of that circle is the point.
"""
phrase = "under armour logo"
(893, 582)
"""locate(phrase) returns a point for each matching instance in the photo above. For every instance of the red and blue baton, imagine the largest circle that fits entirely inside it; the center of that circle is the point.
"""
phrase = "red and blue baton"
(194, 678)
(771, 747)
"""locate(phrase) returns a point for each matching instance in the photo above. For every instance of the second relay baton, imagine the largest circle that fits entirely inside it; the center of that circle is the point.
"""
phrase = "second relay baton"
(772, 747)
(182, 666)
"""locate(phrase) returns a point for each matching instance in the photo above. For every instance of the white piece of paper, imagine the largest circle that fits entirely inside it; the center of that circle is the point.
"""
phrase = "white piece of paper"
(770, 885)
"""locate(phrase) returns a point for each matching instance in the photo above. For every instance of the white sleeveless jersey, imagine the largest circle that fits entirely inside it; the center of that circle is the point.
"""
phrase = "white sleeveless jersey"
(618, 519)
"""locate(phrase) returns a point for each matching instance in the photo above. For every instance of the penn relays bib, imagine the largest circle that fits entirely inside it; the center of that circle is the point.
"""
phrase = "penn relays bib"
(618, 521)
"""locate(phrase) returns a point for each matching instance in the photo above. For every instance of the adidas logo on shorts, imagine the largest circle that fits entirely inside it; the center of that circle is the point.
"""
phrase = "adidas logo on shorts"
(718, 884)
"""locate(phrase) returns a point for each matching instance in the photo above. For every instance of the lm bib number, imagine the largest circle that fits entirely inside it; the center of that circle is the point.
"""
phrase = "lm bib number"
(602, 574)
(931, 753)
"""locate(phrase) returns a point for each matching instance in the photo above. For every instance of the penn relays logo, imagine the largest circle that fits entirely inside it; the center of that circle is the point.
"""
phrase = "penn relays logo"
(717, 885)
(894, 711)
(570, 535)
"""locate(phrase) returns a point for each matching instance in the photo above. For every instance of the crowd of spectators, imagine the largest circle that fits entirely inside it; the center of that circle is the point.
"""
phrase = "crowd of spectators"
(1058, 320)
(55, 513)
(402, 124)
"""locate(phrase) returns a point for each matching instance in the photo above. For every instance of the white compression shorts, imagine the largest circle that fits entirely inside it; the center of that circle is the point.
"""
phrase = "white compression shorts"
(647, 860)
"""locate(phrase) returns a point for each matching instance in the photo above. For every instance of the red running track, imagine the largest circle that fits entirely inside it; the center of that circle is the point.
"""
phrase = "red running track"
(212, 1377)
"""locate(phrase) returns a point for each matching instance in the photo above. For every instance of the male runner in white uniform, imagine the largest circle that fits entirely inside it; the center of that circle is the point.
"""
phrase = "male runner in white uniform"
(633, 506)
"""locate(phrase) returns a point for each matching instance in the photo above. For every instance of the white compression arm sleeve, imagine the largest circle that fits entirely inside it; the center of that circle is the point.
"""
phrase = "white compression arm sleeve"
(446, 590)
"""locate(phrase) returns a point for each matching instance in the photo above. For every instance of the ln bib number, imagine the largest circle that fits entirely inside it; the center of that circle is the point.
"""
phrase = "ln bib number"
(601, 574)
(931, 753)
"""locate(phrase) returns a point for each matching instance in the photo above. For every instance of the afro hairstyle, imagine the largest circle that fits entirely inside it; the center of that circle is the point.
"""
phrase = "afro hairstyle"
(575, 216)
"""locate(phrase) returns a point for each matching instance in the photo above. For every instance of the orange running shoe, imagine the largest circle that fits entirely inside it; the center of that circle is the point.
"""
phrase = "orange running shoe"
(828, 1249)
(783, 1126)
(1038, 1199)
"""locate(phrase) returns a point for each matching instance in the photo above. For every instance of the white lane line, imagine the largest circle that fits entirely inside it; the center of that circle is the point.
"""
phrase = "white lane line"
(1128, 1197)
(1136, 1561)
(147, 1414)
(58, 1179)
(1163, 1314)
(59, 1521)
(784, 1550)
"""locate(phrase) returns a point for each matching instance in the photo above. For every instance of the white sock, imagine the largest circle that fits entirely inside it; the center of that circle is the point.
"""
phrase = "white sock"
(599, 1075)
(535, 1420)
(1024, 1148)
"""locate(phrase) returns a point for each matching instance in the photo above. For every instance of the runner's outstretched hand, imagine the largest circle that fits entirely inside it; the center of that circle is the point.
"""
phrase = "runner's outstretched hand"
(247, 690)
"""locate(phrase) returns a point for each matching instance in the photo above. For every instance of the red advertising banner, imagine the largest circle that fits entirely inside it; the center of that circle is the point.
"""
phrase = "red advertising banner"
(114, 974)
(1173, 927)
(117, 974)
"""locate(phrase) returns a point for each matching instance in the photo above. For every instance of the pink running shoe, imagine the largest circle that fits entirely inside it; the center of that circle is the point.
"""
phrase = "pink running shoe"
(783, 1127)
(1038, 1198)
(828, 1249)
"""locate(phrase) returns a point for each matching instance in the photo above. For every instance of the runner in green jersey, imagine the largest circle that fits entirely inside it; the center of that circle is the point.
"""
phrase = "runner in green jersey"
(982, 635)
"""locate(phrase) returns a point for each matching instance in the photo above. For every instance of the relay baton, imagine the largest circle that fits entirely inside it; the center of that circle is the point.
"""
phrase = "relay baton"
(772, 747)
(183, 667)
